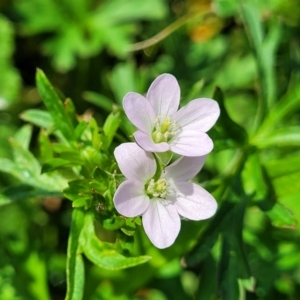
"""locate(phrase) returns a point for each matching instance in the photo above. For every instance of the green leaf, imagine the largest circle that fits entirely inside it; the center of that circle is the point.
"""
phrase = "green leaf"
(24, 192)
(126, 242)
(42, 119)
(71, 111)
(113, 223)
(207, 286)
(268, 61)
(287, 184)
(7, 166)
(226, 8)
(4, 200)
(94, 135)
(98, 186)
(75, 264)
(226, 125)
(234, 234)
(288, 104)
(23, 136)
(54, 105)
(77, 189)
(283, 166)
(126, 78)
(234, 263)
(130, 227)
(228, 276)
(110, 128)
(35, 267)
(81, 202)
(103, 254)
(195, 91)
(258, 185)
(93, 158)
(81, 190)
(134, 10)
(45, 146)
(248, 284)
(10, 78)
(251, 15)
(281, 217)
(99, 100)
(80, 128)
(73, 156)
(264, 49)
(38, 117)
(207, 240)
(27, 169)
(284, 137)
(57, 163)
(24, 158)
(100, 175)
(253, 179)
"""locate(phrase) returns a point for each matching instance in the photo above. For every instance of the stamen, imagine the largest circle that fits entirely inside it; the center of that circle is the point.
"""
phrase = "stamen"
(157, 189)
(164, 129)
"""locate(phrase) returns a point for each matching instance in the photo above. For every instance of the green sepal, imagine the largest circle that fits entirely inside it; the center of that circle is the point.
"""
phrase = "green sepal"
(164, 157)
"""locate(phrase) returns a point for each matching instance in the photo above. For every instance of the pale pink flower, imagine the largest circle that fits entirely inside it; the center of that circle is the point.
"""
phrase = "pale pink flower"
(162, 199)
(162, 127)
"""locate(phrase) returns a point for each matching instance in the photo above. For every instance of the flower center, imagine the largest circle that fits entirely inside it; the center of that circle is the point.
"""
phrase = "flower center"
(164, 129)
(157, 189)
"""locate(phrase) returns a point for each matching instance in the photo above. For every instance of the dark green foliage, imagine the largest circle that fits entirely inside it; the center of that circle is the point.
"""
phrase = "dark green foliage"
(61, 235)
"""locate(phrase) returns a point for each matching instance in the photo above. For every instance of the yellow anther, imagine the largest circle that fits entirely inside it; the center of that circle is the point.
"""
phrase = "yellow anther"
(165, 125)
(164, 129)
(157, 189)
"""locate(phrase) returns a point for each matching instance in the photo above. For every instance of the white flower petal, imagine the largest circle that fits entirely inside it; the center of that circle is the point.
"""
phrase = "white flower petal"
(199, 114)
(193, 202)
(139, 111)
(134, 162)
(164, 95)
(161, 223)
(130, 199)
(145, 141)
(184, 168)
(191, 143)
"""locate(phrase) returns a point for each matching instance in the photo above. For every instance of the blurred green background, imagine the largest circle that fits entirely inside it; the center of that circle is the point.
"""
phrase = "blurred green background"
(95, 51)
